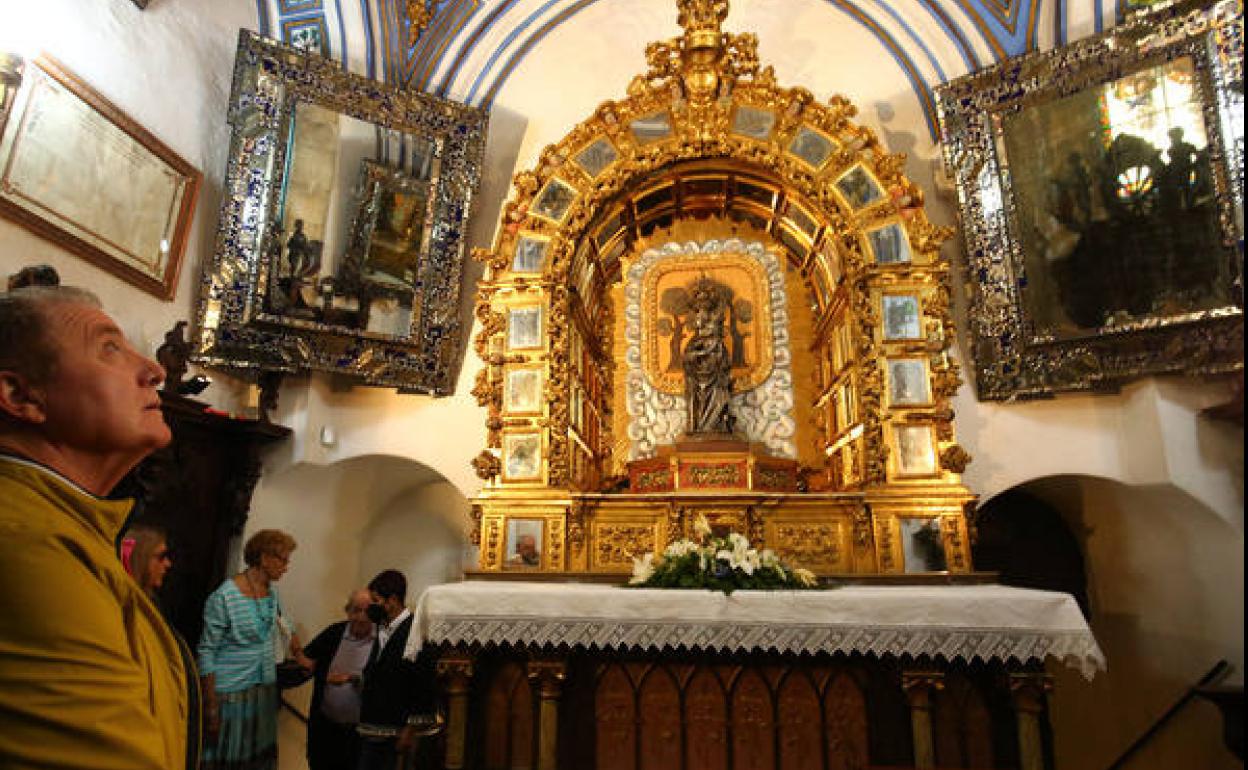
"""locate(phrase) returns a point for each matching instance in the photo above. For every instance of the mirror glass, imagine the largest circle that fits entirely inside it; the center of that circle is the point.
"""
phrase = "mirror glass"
(340, 244)
(355, 210)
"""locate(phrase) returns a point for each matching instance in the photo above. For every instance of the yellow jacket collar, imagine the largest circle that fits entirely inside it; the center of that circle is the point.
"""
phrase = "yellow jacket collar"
(101, 514)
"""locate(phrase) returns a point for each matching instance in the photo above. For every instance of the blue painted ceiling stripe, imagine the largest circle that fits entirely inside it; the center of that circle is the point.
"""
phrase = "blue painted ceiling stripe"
(511, 36)
(474, 38)
(921, 89)
(940, 72)
(488, 100)
(969, 57)
(342, 35)
(262, 17)
(368, 38)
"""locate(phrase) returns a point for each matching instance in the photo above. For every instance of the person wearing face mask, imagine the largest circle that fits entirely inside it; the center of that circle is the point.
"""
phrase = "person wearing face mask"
(393, 689)
(339, 652)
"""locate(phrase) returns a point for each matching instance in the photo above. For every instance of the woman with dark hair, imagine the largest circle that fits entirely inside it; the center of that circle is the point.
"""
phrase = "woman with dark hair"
(243, 625)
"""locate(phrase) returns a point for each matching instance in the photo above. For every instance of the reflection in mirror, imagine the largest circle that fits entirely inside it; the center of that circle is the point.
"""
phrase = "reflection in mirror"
(811, 146)
(923, 549)
(357, 200)
(916, 455)
(340, 245)
(859, 188)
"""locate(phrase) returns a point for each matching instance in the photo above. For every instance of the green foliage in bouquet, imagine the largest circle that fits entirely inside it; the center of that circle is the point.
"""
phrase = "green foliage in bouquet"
(719, 563)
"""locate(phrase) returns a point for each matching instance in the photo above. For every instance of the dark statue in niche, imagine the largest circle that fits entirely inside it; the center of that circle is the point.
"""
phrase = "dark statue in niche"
(707, 361)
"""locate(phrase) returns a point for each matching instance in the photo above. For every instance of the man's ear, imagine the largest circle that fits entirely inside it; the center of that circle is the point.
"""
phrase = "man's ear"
(20, 400)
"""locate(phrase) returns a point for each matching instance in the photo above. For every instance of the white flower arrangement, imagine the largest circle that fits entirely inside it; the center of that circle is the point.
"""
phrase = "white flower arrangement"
(721, 563)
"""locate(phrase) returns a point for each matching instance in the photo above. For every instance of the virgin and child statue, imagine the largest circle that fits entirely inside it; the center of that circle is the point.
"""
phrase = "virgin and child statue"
(706, 361)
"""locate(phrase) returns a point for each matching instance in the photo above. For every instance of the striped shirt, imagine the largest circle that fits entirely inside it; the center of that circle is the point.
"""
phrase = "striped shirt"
(237, 641)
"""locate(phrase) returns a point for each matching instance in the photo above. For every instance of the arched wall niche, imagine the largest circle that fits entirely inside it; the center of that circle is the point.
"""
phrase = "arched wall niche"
(352, 519)
(1164, 571)
(706, 148)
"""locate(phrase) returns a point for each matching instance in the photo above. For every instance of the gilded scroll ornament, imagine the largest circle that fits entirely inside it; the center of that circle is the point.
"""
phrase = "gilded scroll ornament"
(487, 465)
(617, 544)
(954, 458)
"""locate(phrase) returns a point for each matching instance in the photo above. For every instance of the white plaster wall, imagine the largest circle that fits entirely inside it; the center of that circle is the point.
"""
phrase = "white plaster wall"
(353, 519)
(1165, 585)
(169, 68)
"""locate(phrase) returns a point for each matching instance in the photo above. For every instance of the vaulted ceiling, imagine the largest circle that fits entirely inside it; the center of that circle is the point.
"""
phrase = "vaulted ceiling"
(469, 50)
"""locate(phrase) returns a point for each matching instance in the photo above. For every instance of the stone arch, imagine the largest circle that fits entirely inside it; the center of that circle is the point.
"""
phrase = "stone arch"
(355, 517)
(1165, 598)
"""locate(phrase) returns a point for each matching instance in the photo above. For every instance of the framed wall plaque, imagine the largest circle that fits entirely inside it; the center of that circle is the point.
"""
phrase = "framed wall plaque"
(79, 172)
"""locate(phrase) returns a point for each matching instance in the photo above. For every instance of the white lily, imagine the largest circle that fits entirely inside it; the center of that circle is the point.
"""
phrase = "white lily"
(643, 569)
(702, 527)
(805, 577)
(681, 548)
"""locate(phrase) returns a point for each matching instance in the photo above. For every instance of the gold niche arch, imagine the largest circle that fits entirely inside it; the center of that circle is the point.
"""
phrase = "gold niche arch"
(708, 155)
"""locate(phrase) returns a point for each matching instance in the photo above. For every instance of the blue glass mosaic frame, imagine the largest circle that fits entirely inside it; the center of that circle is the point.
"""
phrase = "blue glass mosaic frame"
(233, 331)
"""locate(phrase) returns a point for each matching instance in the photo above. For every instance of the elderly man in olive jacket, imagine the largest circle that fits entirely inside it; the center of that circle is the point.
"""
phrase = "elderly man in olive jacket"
(91, 678)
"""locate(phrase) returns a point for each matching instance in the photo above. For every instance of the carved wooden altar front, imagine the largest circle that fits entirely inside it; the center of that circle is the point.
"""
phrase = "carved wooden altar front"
(765, 712)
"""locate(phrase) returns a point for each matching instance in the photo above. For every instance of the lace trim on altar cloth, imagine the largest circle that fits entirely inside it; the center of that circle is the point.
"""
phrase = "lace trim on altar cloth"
(1077, 649)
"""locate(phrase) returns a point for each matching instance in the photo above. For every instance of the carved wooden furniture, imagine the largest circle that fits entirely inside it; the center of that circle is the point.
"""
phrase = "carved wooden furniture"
(199, 489)
(538, 675)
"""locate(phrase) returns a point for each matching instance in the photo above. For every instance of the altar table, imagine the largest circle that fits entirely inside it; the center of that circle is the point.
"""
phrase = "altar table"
(775, 679)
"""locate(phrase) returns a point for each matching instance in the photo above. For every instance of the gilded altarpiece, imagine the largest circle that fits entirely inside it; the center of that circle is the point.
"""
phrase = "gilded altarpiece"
(711, 180)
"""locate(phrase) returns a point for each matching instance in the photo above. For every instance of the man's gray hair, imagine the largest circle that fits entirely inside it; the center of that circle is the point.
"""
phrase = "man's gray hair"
(26, 348)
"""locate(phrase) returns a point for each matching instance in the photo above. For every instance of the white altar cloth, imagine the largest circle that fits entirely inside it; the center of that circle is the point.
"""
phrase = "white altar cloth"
(988, 622)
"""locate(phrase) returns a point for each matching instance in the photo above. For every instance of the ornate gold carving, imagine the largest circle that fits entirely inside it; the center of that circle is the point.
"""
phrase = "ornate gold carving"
(419, 14)
(772, 478)
(808, 545)
(862, 526)
(659, 478)
(754, 526)
(576, 527)
(714, 475)
(615, 545)
(955, 458)
(474, 536)
(491, 558)
(951, 530)
(684, 112)
(555, 538)
(675, 523)
(884, 544)
(487, 465)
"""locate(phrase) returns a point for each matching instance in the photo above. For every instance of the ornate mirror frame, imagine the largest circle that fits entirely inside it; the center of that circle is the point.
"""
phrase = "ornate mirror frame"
(235, 328)
(1017, 356)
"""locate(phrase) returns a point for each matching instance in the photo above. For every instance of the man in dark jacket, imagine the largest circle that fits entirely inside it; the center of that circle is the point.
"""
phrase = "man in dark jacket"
(394, 688)
(340, 653)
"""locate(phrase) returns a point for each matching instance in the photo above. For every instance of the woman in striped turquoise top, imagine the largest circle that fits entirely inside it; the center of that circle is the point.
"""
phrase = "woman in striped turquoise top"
(237, 659)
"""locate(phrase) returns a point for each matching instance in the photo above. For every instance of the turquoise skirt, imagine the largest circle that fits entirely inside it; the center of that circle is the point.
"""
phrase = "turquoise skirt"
(248, 737)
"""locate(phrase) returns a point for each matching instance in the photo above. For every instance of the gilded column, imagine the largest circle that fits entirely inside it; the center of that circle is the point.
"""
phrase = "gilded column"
(1028, 692)
(455, 670)
(919, 686)
(548, 676)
